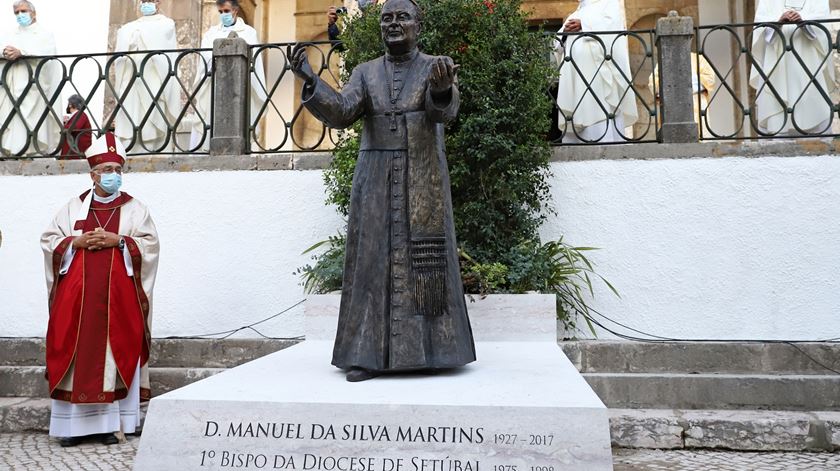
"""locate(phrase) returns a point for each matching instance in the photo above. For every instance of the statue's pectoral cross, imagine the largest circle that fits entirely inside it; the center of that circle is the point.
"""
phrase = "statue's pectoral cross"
(393, 115)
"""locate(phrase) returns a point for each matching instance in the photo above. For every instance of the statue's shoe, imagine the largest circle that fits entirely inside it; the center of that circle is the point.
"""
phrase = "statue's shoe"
(360, 374)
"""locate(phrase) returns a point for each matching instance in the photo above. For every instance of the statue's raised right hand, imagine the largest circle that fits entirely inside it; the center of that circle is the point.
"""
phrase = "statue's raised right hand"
(300, 65)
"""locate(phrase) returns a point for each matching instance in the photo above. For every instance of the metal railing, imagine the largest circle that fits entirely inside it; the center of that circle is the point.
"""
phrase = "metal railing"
(779, 81)
(161, 102)
(279, 121)
(603, 93)
(156, 102)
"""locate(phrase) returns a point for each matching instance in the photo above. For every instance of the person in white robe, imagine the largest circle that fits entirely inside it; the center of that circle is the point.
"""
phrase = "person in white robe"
(101, 255)
(791, 81)
(35, 128)
(229, 22)
(152, 31)
(591, 120)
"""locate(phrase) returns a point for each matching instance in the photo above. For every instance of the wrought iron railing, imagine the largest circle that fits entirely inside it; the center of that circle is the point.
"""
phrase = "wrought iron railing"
(778, 82)
(157, 102)
(279, 121)
(161, 102)
(603, 91)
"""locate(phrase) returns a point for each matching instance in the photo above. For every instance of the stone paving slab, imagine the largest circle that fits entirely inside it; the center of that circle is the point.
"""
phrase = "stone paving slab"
(688, 460)
(36, 451)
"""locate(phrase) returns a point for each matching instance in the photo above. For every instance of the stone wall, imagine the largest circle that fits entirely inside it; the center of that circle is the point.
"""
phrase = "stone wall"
(553, 11)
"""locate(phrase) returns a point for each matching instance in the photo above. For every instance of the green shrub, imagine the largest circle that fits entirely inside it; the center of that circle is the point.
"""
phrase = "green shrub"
(326, 274)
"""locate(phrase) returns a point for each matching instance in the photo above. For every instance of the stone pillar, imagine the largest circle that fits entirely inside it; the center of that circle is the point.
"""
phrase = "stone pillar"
(673, 40)
(231, 64)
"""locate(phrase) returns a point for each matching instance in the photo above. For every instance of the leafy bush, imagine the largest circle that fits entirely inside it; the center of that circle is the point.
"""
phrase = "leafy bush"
(497, 152)
(326, 274)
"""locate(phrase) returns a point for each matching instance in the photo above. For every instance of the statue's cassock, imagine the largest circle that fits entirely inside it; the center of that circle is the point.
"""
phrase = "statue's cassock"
(402, 301)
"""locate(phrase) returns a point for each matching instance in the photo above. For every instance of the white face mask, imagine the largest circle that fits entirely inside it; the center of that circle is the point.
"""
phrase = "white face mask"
(148, 8)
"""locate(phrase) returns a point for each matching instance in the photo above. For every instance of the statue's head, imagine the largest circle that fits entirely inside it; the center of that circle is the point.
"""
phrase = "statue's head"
(400, 23)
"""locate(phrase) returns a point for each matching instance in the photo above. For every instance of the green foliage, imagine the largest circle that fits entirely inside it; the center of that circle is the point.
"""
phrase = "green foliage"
(483, 278)
(338, 178)
(497, 152)
(326, 274)
(554, 267)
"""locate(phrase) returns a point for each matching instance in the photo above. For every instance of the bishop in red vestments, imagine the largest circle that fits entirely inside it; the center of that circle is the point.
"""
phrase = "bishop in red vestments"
(101, 254)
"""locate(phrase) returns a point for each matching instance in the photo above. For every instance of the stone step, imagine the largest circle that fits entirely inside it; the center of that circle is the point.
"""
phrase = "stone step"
(164, 380)
(28, 381)
(18, 414)
(617, 390)
(596, 356)
(629, 428)
(170, 353)
(716, 391)
(733, 430)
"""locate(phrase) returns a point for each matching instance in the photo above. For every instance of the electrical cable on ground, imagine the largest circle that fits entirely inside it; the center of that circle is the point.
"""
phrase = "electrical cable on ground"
(227, 333)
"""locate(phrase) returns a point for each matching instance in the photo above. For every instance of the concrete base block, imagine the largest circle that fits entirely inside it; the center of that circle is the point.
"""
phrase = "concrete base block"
(293, 410)
(292, 405)
(679, 132)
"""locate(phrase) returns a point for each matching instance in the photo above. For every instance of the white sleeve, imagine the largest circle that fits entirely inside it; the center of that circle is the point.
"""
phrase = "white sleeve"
(67, 260)
(809, 30)
(129, 267)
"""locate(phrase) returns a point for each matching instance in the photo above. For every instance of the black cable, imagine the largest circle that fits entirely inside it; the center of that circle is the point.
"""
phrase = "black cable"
(631, 338)
(586, 314)
(228, 333)
(813, 359)
(669, 339)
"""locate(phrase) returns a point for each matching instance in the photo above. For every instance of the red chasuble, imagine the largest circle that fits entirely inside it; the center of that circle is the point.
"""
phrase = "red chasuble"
(96, 304)
(78, 135)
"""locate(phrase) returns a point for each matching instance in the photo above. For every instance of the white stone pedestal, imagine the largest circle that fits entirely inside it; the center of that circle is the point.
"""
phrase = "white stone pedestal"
(521, 407)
